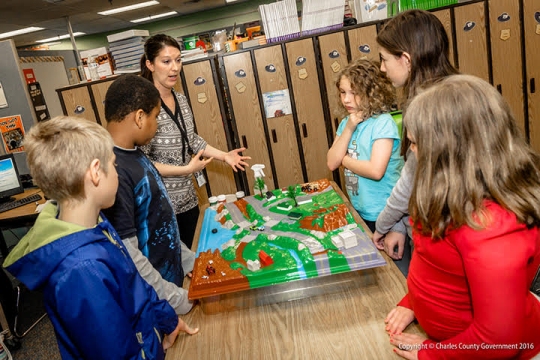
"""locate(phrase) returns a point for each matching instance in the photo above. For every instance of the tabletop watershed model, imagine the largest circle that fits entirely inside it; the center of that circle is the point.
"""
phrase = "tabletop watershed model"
(279, 236)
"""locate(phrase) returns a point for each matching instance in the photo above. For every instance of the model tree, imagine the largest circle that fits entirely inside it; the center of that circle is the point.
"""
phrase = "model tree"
(260, 185)
(292, 194)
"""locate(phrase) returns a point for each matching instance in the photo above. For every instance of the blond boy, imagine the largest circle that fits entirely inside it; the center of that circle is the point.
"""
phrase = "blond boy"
(99, 305)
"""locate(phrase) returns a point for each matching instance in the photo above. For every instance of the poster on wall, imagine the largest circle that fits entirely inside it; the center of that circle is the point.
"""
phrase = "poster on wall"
(277, 103)
(12, 133)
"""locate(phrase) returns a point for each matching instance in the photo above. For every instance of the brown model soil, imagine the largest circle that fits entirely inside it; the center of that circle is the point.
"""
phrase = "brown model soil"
(333, 220)
(242, 206)
(218, 273)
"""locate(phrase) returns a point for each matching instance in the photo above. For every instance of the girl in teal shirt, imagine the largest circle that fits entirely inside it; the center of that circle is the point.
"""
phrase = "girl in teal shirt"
(367, 141)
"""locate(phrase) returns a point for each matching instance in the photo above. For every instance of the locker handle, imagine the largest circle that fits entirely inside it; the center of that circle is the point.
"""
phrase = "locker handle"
(304, 129)
(499, 88)
(532, 86)
(244, 141)
(336, 121)
(274, 136)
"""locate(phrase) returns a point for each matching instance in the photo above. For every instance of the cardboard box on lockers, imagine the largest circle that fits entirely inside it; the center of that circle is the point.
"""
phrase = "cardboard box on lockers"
(103, 58)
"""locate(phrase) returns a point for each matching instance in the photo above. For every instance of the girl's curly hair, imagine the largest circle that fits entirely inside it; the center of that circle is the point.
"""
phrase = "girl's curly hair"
(376, 92)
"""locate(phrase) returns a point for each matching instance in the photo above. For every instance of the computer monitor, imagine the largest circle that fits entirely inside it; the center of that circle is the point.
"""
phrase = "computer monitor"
(10, 182)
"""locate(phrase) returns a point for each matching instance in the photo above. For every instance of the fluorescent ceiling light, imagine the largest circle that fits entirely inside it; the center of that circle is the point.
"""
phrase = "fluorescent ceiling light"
(152, 17)
(229, 1)
(128, 8)
(60, 37)
(20, 32)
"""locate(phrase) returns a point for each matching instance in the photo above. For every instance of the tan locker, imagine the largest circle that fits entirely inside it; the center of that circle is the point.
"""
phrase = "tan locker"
(363, 43)
(178, 86)
(531, 25)
(210, 126)
(309, 110)
(283, 141)
(77, 103)
(446, 19)
(506, 54)
(247, 113)
(99, 90)
(334, 59)
(471, 40)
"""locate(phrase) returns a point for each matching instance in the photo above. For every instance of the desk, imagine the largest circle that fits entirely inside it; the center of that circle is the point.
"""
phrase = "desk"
(22, 216)
(343, 325)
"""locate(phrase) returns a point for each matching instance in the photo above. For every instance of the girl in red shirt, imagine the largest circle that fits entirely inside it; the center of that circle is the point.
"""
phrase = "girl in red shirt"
(475, 210)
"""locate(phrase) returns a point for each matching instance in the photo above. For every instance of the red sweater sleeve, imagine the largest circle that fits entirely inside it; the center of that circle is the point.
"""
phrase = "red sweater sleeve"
(495, 264)
(405, 302)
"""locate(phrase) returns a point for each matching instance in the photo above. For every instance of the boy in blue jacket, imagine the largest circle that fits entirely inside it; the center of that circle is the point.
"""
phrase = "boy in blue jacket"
(99, 305)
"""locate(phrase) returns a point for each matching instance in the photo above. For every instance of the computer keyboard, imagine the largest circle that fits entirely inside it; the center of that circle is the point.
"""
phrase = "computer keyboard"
(19, 202)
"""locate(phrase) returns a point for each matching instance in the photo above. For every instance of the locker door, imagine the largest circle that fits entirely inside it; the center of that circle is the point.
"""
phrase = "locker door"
(99, 91)
(363, 43)
(506, 54)
(334, 59)
(471, 40)
(178, 86)
(307, 97)
(210, 126)
(531, 24)
(283, 140)
(78, 103)
(245, 107)
(446, 19)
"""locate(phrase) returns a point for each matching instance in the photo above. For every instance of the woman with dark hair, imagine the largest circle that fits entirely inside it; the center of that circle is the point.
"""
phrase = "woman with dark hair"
(176, 150)
(414, 51)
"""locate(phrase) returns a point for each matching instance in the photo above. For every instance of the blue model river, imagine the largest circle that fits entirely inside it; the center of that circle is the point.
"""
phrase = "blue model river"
(208, 240)
(299, 263)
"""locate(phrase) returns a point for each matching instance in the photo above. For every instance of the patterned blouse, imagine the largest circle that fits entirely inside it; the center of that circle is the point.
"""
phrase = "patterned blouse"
(166, 148)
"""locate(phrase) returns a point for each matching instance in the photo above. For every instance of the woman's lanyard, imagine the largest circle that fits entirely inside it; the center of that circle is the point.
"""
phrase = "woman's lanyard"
(180, 124)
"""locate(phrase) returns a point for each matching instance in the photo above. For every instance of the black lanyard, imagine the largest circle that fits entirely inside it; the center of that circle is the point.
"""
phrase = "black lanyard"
(180, 124)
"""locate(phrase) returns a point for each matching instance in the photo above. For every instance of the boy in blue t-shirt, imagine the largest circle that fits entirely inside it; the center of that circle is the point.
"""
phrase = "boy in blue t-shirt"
(142, 213)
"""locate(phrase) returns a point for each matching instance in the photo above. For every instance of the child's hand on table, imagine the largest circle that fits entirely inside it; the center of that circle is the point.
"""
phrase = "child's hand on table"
(391, 240)
(168, 340)
(398, 319)
(407, 345)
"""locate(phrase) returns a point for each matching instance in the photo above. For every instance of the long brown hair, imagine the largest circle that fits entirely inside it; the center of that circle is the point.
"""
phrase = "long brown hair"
(152, 47)
(420, 34)
(376, 92)
(469, 149)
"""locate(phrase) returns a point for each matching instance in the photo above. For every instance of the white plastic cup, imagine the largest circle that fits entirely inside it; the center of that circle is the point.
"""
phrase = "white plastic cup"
(240, 194)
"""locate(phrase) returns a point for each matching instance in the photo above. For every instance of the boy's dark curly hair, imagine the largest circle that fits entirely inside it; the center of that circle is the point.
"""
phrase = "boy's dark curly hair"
(130, 93)
(376, 92)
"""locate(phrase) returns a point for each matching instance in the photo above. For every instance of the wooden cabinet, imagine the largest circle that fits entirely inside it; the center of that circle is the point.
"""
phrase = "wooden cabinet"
(531, 31)
(245, 108)
(205, 105)
(85, 100)
(471, 40)
(99, 90)
(506, 54)
(334, 58)
(309, 110)
(445, 17)
(272, 75)
(363, 42)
